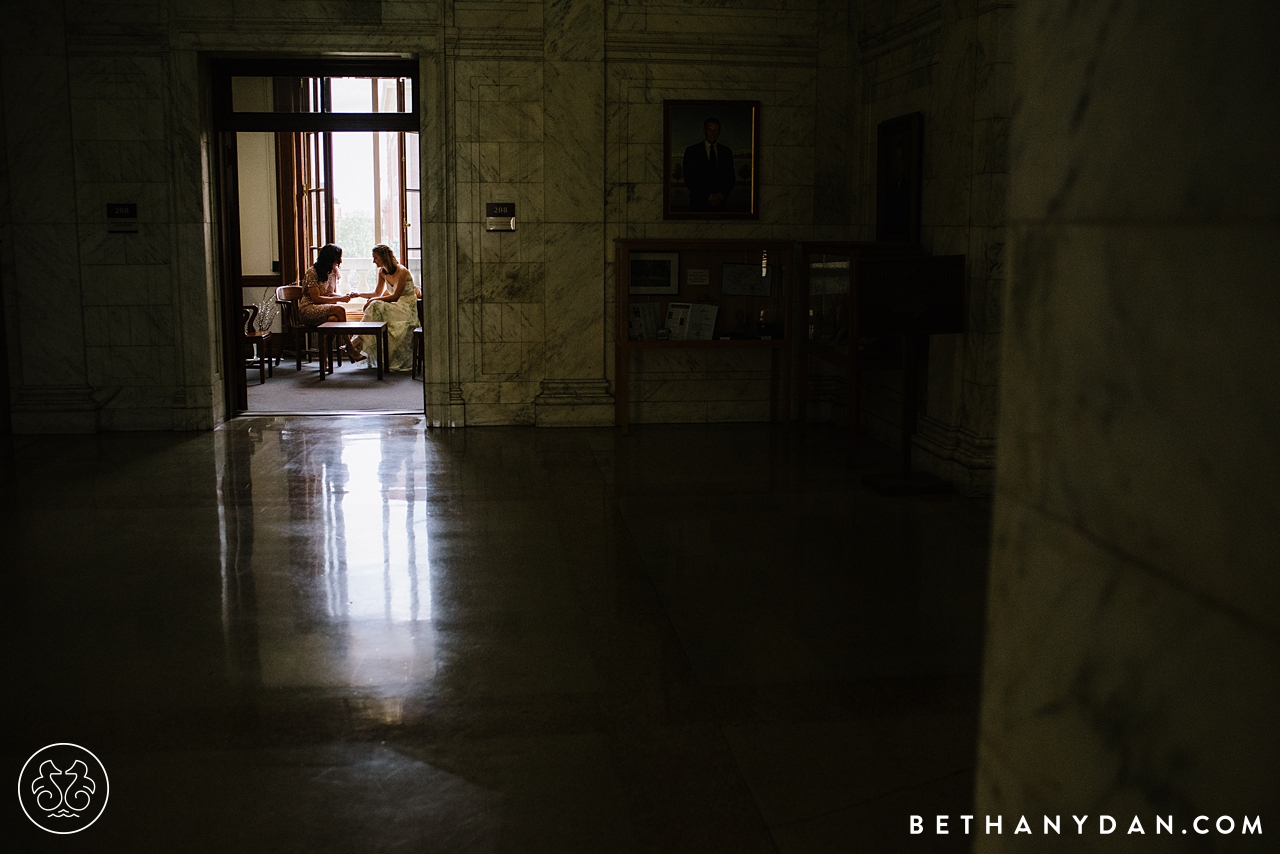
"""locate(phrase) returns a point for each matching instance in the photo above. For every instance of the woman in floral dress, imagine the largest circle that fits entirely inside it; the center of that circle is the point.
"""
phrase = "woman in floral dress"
(320, 297)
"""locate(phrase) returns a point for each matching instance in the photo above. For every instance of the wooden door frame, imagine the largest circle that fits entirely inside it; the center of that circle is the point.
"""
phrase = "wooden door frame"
(235, 382)
(227, 122)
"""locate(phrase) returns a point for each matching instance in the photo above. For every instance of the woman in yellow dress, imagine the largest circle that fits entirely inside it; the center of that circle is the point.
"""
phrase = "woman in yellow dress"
(395, 301)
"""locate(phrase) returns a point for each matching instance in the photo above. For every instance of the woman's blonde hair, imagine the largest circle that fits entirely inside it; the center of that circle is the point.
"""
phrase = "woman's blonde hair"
(385, 256)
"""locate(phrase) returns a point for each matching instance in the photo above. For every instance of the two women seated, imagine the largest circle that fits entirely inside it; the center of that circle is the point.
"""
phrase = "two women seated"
(394, 301)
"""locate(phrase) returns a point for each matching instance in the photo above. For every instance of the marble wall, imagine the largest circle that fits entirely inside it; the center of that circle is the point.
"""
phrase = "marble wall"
(560, 111)
(529, 105)
(555, 105)
(783, 55)
(107, 330)
(952, 62)
(43, 299)
(1133, 648)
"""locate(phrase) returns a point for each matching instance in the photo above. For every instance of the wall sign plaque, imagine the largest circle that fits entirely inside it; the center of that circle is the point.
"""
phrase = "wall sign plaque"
(122, 218)
(500, 216)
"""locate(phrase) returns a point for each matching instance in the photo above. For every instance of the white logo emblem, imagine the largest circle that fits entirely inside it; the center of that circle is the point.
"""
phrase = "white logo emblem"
(63, 788)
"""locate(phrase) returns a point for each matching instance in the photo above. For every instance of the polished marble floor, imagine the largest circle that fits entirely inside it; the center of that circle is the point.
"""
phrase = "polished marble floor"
(350, 388)
(350, 634)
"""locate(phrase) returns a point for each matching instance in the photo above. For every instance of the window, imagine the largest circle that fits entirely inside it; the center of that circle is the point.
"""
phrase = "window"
(349, 174)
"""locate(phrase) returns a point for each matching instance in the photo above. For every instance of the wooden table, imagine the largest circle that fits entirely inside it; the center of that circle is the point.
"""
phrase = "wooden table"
(334, 328)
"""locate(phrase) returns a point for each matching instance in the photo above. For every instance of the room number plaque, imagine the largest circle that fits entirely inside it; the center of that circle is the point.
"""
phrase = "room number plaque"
(122, 218)
(499, 216)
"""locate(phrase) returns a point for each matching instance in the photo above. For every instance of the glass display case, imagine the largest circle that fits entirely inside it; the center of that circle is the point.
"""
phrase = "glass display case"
(720, 295)
(867, 305)
(828, 305)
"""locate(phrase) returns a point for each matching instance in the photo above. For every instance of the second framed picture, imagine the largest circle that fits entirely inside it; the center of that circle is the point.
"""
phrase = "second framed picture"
(654, 273)
(711, 158)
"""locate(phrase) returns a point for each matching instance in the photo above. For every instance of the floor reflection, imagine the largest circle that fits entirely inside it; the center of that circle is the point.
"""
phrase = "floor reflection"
(378, 543)
(339, 568)
(596, 649)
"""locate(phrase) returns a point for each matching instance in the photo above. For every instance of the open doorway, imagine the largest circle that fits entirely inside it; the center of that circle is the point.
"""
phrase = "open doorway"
(316, 153)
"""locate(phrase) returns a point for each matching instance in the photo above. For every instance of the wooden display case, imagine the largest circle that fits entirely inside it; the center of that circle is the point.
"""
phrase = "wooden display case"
(718, 273)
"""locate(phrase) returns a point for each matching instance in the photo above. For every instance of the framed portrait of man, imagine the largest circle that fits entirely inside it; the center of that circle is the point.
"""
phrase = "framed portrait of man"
(711, 154)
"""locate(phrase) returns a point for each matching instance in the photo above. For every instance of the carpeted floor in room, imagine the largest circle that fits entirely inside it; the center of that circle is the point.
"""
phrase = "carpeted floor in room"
(350, 388)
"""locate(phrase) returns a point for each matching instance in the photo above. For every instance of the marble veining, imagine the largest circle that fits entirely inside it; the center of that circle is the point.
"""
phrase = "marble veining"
(512, 91)
(572, 149)
(574, 30)
(1133, 601)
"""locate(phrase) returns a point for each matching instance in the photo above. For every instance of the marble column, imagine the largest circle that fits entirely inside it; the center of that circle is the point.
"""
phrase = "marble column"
(970, 445)
(443, 402)
(574, 390)
(43, 300)
(1133, 641)
(201, 403)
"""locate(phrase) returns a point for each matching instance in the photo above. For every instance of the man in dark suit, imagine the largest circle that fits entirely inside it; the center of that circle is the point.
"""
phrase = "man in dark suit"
(708, 170)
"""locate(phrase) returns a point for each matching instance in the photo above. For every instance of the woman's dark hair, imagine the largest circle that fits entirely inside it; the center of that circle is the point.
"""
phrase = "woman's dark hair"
(329, 255)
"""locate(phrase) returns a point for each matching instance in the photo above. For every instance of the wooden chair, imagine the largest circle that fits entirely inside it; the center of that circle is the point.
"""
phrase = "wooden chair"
(291, 322)
(417, 348)
(257, 344)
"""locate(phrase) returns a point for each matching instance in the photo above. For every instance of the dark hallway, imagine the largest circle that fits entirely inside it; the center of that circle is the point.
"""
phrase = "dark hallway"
(341, 634)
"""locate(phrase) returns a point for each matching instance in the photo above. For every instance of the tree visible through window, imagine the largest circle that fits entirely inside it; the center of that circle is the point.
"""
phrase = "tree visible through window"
(350, 187)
